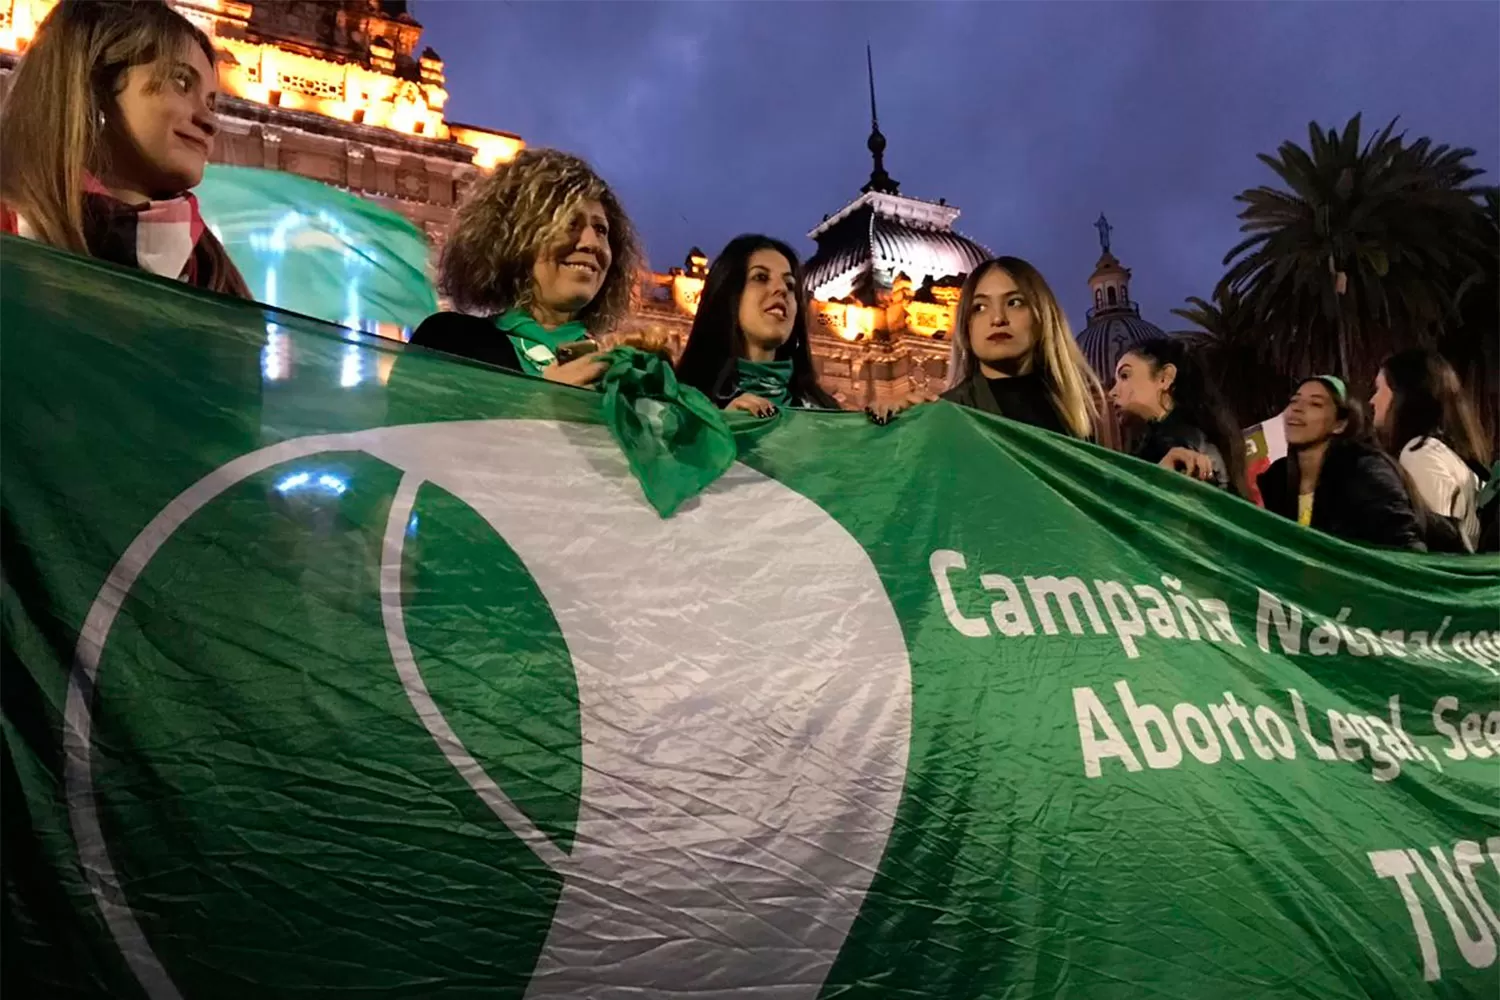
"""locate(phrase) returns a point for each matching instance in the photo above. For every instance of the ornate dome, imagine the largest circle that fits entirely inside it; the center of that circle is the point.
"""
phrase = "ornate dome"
(1112, 333)
(878, 236)
(1115, 324)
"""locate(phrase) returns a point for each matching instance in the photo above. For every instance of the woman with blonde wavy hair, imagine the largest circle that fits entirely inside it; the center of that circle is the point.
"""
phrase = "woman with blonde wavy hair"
(541, 260)
(1014, 355)
(108, 126)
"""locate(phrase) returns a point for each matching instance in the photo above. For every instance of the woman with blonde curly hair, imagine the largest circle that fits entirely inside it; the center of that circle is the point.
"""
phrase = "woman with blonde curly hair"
(543, 252)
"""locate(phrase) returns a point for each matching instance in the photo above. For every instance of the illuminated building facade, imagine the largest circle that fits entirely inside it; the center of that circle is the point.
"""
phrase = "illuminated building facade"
(334, 90)
(339, 91)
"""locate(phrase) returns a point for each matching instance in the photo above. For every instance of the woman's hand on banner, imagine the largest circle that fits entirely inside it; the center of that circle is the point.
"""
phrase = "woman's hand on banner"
(751, 403)
(580, 371)
(1190, 463)
(884, 413)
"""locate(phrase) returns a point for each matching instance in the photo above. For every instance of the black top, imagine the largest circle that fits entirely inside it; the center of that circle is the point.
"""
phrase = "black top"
(1173, 431)
(469, 337)
(1023, 398)
(1360, 497)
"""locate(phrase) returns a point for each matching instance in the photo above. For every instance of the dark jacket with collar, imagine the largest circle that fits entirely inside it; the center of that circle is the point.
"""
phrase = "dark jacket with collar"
(975, 393)
(1173, 431)
(1360, 497)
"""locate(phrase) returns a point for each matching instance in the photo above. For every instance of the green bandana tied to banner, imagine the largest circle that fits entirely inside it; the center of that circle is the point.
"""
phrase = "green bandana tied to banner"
(304, 698)
(770, 380)
(675, 439)
(536, 345)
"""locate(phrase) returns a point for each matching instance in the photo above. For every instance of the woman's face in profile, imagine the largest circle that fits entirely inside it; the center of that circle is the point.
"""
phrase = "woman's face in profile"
(161, 131)
(1138, 390)
(1380, 402)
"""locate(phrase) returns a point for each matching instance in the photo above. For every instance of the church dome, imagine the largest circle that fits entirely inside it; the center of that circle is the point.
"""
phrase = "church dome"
(875, 241)
(1112, 333)
(882, 234)
(1115, 324)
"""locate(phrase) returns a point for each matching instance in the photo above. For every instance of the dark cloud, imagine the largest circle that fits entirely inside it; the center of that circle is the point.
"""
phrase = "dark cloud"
(719, 118)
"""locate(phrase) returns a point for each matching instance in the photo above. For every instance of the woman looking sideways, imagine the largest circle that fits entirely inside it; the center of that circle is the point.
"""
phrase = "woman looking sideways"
(1160, 383)
(1333, 477)
(107, 128)
(748, 348)
(1424, 419)
(541, 260)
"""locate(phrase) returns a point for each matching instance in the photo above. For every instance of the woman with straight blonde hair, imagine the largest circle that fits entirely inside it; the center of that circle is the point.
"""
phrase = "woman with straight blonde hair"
(1014, 355)
(108, 126)
(541, 261)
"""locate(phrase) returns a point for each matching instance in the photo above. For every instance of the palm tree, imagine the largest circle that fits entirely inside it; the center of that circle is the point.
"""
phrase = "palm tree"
(1236, 359)
(1471, 340)
(1366, 251)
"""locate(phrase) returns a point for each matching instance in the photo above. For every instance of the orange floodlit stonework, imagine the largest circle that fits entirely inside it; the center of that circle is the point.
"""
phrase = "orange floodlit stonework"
(336, 90)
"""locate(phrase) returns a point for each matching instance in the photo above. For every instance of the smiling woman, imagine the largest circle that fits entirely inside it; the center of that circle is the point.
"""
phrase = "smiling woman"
(543, 252)
(108, 125)
(1334, 478)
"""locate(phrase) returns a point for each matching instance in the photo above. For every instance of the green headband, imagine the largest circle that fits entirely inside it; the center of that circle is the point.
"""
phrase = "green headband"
(1335, 385)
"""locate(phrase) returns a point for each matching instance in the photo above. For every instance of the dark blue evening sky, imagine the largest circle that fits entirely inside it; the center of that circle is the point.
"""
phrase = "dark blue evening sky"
(715, 118)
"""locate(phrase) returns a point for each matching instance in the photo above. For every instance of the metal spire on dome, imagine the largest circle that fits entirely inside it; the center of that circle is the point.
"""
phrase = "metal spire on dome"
(879, 179)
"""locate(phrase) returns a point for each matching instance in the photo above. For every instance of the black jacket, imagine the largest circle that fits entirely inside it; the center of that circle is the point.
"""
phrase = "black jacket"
(468, 337)
(1030, 406)
(1360, 497)
(1174, 432)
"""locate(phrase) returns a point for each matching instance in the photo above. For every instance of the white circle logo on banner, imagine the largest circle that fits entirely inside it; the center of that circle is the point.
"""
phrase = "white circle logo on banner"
(744, 696)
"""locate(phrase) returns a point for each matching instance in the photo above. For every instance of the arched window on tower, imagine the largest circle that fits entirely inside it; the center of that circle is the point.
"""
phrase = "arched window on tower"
(1098, 298)
(1111, 294)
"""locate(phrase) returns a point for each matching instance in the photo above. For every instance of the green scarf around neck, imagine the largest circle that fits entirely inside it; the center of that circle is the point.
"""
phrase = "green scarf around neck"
(535, 345)
(770, 380)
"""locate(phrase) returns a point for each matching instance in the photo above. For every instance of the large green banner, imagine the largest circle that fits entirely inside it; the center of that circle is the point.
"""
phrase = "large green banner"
(336, 671)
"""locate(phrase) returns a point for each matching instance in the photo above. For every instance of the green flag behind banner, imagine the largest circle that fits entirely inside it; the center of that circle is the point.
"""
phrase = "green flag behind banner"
(319, 251)
(398, 687)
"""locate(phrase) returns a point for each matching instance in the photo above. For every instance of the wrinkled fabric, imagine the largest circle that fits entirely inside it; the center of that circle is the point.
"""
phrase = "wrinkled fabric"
(318, 683)
(536, 346)
(675, 439)
(770, 380)
(312, 249)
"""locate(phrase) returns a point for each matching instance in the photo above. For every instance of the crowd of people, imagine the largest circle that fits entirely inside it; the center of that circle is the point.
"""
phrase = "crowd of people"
(110, 124)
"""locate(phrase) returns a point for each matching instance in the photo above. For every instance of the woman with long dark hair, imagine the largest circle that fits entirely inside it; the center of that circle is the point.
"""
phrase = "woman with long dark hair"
(748, 349)
(1161, 383)
(1334, 477)
(1426, 421)
(108, 126)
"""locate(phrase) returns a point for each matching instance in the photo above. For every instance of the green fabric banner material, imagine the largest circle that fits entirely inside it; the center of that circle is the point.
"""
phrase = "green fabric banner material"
(392, 684)
(313, 249)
